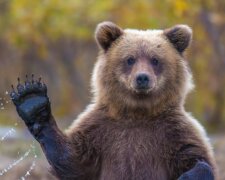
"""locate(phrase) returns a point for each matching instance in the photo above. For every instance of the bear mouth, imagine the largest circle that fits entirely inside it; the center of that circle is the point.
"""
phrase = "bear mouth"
(142, 91)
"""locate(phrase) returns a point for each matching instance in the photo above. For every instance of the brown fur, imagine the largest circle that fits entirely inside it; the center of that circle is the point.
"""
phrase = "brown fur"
(127, 135)
(179, 36)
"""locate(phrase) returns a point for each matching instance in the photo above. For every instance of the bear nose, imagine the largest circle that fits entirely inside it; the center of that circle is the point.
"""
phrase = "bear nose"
(142, 81)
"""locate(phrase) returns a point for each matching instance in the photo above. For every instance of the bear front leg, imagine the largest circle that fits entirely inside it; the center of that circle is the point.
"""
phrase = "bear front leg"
(33, 106)
(201, 171)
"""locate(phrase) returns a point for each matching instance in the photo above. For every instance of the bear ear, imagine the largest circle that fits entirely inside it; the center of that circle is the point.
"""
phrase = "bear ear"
(180, 36)
(106, 33)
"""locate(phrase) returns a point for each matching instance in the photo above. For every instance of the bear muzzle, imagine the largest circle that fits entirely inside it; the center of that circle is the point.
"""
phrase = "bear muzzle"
(143, 83)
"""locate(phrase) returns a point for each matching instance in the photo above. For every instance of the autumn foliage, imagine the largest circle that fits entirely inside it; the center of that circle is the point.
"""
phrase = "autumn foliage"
(54, 39)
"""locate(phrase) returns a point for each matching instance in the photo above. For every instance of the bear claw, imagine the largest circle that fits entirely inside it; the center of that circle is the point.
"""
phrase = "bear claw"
(32, 102)
(28, 88)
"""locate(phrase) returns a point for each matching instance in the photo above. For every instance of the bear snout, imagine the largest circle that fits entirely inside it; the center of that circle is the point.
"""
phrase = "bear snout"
(142, 81)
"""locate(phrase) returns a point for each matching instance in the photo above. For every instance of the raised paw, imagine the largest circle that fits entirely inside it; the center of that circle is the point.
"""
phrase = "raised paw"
(32, 103)
(201, 171)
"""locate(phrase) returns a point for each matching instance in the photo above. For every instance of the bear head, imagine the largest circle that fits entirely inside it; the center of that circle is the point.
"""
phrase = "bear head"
(141, 68)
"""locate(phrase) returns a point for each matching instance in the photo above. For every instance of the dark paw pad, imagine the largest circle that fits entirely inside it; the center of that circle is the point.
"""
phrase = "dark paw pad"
(32, 102)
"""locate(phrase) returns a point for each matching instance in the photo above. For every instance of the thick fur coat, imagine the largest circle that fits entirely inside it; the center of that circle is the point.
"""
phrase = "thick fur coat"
(136, 127)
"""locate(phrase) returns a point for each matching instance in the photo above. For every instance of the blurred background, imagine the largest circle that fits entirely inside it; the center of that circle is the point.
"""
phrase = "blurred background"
(54, 39)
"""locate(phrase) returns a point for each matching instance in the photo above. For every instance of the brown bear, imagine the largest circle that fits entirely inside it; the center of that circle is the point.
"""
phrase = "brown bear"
(136, 127)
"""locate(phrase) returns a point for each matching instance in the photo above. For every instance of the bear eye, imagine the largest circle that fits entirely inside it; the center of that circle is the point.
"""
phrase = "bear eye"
(130, 61)
(155, 62)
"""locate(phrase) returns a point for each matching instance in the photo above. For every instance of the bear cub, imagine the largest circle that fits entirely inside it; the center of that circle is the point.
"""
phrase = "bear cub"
(136, 127)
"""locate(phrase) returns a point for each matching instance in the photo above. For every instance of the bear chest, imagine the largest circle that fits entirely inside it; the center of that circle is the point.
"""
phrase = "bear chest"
(132, 153)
